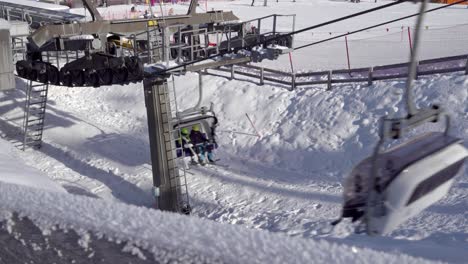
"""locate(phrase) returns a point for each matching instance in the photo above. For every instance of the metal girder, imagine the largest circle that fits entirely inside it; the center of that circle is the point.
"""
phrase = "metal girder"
(45, 33)
(216, 64)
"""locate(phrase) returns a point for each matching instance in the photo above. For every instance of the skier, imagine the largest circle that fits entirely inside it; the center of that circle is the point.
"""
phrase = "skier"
(185, 143)
(202, 144)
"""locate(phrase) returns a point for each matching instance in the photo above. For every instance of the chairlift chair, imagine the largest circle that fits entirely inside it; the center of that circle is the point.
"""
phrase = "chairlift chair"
(411, 177)
(391, 186)
(205, 119)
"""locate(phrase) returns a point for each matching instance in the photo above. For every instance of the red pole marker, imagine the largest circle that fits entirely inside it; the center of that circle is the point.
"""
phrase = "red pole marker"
(409, 39)
(347, 53)
(290, 61)
(251, 123)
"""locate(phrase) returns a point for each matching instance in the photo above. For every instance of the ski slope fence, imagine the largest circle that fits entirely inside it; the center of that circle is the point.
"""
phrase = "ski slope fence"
(359, 75)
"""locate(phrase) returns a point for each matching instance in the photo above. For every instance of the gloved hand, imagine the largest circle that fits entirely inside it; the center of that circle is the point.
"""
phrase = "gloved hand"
(188, 145)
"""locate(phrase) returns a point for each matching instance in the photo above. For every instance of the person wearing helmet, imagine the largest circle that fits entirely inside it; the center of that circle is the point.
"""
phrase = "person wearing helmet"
(184, 143)
(201, 144)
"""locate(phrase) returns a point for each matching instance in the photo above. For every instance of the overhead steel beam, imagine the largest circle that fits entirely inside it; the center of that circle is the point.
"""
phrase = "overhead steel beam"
(45, 33)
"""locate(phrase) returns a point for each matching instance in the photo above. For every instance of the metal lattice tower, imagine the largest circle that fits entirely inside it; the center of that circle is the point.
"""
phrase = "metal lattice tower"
(170, 184)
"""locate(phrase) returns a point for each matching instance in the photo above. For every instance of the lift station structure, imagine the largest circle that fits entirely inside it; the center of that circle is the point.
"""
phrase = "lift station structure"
(75, 53)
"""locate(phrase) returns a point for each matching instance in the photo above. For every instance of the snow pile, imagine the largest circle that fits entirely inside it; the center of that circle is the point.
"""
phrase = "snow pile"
(187, 238)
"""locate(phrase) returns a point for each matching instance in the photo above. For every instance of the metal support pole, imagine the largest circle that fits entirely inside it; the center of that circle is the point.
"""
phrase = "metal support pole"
(413, 67)
(57, 57)
(293, 29)
(329, 83)
(179, 43)
(163, 158)
(166, 45)
(371, 76)
(466, 67)
(232, 72)
(259, 26)
(293, 81)
(416, 74)
(262, 76)
(274, 24)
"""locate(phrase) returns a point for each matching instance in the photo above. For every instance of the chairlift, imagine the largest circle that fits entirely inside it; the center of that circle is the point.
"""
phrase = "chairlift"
(391, 186)
(207, 121)
(411, 177)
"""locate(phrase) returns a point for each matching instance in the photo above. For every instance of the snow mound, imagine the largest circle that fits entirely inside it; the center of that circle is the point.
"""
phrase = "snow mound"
(188, 238)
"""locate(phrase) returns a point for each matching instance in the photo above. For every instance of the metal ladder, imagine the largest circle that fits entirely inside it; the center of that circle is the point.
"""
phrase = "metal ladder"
(34, 114)
(18, 47)
(179, 173)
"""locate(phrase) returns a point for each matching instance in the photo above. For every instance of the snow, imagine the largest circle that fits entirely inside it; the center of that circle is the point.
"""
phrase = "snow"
(172, 236)
(287, 182)
(13, 170)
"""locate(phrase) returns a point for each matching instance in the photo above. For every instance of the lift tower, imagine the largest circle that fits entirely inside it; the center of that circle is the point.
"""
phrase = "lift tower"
(170, 187)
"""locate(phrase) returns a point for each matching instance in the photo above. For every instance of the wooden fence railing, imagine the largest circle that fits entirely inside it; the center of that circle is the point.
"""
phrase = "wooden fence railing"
(368, 75)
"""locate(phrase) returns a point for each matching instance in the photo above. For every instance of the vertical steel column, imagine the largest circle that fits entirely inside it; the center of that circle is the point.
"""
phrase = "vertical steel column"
(274, 24)
(163, 159)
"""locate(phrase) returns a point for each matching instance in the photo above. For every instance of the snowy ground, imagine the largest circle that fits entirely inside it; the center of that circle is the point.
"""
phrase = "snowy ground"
(289, 181)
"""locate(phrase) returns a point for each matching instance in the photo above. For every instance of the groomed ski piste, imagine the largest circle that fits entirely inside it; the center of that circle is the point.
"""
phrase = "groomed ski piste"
(273, 196)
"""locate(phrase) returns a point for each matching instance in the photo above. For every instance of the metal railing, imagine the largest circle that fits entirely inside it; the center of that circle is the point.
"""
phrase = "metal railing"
(367, 75)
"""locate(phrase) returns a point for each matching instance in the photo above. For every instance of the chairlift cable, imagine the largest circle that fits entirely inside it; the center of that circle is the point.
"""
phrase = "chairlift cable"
(378, 25)
(223, 52)
(317, 26)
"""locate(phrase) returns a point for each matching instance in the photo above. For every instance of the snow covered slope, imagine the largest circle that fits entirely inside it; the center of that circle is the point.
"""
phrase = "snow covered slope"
(288, 181)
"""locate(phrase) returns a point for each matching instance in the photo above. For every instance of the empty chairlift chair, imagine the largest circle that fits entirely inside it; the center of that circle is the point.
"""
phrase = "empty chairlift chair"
(409, 178)
(391, 186)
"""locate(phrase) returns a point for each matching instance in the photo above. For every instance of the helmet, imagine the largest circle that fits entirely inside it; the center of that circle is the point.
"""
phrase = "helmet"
(196, 127)
(184, 131)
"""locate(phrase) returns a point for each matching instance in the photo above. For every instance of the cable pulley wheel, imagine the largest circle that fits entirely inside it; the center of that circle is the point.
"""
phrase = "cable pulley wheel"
(120, 75)
(78, 78)
(53, 75)
(66, 77)
(92, 77)
(105, 76)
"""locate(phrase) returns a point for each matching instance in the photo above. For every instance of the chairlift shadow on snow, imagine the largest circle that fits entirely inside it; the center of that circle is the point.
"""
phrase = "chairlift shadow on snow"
(13, 105)
(122, 189)
(125, 149)
(268, 188)
(73, 189)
